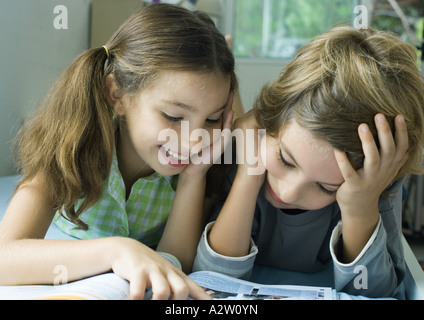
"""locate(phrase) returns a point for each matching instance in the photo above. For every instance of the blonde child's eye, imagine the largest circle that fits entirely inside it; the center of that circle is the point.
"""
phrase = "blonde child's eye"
(326, 191)
(213, 121)
(171, 118)
(289, 165)
(283, 161)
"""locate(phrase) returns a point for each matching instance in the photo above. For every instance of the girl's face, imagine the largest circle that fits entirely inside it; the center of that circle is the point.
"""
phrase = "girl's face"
(302, 172)
(177, 102)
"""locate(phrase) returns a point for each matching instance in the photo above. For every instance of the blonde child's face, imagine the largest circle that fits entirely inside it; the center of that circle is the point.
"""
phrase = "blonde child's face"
(178, 102)
(302, 172)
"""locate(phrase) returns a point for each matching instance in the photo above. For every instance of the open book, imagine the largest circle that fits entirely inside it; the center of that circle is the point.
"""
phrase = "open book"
(111, 287)
(223, 287)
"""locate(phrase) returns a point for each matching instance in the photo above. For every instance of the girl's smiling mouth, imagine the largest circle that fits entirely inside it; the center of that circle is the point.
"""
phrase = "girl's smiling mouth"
(174, 159)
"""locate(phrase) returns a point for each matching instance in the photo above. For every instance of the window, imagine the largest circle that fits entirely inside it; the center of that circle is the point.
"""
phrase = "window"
(267, 33)
(278, 28)
(405, 18)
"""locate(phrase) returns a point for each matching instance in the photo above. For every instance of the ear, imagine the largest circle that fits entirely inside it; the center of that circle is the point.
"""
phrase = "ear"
(114, 95)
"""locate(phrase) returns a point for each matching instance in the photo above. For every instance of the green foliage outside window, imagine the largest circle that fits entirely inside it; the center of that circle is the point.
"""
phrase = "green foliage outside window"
(277, 28)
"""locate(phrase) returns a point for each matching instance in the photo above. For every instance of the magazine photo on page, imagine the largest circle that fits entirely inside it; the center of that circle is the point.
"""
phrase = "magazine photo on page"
(223, 287)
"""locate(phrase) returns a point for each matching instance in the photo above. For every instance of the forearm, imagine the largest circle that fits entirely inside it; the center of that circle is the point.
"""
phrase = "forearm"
(42, 261)
(358, 197)
(377, 271)
(356, 231)
(231, 233)
(185, 223)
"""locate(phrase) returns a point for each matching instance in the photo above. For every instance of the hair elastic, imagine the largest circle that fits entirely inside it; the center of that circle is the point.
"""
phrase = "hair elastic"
(107, 52)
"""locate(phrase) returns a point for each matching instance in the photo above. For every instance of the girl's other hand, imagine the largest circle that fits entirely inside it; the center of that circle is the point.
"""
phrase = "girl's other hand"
(249, 155)
(200, 163)
(144, 268)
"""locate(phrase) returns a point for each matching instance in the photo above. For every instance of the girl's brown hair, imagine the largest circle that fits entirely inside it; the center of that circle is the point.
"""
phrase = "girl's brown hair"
(70, 138)
(344, 78)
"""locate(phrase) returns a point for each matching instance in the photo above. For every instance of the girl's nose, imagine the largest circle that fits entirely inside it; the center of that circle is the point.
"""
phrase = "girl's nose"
(290, 191)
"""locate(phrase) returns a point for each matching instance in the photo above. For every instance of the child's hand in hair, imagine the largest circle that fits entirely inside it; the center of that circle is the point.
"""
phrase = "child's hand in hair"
(362, 188)
(358, 196)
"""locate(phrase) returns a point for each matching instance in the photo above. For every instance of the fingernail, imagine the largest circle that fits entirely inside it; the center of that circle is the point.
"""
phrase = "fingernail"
(401, 119)
(380, 118)
(364, 128)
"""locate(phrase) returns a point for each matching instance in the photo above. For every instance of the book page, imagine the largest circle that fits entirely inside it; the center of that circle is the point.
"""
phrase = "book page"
(107, 286)
(222, 287)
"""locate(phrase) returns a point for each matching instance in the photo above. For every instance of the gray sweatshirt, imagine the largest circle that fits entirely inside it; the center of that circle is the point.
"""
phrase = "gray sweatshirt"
(311, 241)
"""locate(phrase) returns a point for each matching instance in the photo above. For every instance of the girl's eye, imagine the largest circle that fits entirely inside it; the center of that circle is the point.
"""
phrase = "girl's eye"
(171, 118)
(327, 192)
(283, 161)
(213, 121)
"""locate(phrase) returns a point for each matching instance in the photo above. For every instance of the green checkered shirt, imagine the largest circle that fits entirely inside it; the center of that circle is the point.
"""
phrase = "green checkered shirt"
(142, 216)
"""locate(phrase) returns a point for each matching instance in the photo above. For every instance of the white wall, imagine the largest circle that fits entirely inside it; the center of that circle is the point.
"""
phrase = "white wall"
(33, 53)
(253, 74)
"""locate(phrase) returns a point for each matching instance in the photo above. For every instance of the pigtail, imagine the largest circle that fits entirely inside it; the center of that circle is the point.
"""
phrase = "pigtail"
(70, 139)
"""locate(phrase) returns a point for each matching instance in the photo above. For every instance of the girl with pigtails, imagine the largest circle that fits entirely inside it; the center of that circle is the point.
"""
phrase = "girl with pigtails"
(91, 159)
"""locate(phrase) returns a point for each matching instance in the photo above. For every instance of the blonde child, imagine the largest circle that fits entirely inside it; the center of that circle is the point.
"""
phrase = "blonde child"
(92, 156)
(344, 125)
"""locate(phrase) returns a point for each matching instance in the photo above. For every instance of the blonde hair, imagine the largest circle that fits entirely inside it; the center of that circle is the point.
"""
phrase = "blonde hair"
(70, 138)
(344, 78)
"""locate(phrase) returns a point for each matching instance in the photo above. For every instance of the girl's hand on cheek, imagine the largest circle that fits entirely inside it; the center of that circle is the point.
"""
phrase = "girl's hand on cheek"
(361, 190)
(200, 163)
